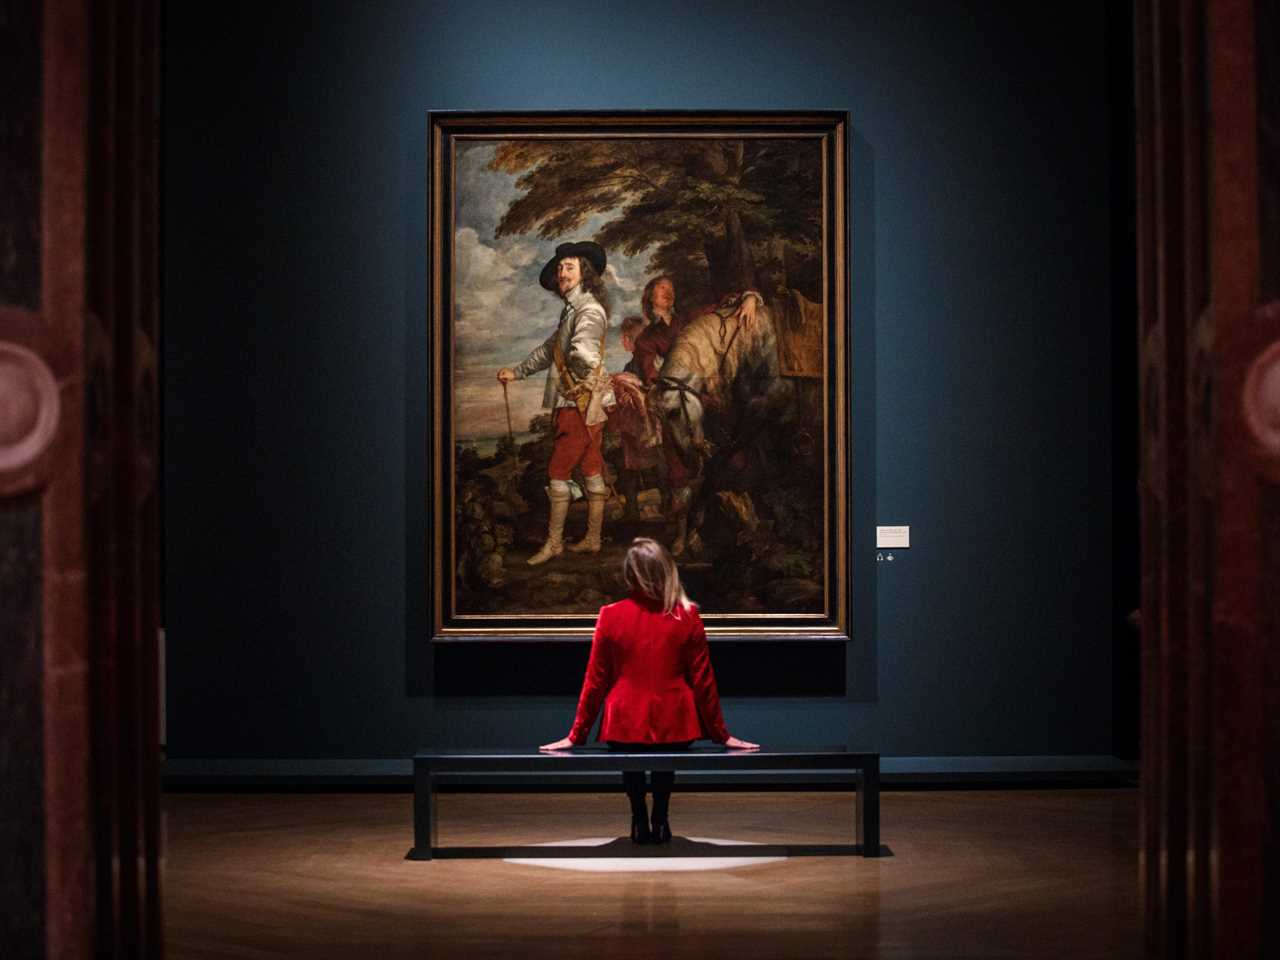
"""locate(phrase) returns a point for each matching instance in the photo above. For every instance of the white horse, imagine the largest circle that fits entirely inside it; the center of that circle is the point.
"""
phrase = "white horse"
(718, 389)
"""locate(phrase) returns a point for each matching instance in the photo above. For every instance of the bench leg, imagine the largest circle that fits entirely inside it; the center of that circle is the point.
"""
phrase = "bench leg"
(859, 794)
(868, 809)
(424, 812)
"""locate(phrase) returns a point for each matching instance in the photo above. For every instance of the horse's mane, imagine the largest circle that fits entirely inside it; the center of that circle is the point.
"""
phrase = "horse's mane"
(700, 345)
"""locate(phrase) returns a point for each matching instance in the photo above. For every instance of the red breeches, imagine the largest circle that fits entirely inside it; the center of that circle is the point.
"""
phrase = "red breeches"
(576, 445)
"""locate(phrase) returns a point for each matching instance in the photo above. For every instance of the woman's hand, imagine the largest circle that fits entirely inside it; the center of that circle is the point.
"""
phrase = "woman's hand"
(564, 744)
(733, 743)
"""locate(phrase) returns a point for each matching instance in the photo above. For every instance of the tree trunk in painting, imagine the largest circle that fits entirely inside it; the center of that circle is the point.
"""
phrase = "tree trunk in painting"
(729, 258)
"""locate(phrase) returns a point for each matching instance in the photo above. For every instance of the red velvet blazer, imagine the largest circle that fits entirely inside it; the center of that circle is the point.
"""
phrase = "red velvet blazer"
(653, 673)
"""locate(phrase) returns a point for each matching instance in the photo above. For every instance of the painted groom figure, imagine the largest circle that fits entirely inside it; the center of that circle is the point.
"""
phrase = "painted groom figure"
(577, 390)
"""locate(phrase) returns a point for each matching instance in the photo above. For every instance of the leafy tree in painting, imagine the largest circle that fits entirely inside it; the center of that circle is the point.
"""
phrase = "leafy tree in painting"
(718, 215)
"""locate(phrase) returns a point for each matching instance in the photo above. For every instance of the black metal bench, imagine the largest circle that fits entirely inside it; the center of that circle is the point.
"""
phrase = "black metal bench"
(863, 770)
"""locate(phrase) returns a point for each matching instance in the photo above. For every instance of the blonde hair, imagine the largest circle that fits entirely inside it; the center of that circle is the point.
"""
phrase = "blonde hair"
(651, 570)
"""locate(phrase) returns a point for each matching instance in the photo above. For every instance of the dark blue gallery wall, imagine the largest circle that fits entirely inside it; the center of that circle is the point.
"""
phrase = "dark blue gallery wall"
(294, 140)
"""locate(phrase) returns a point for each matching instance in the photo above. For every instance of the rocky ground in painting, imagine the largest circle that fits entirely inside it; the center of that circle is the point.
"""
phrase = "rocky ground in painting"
(739, 557)
(576, 582)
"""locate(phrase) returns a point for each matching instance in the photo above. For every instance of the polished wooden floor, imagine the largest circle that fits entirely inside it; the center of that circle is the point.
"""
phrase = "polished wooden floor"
(975, 874)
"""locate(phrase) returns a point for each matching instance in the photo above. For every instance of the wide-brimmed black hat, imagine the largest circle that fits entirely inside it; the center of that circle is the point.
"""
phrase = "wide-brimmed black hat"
(593, 252)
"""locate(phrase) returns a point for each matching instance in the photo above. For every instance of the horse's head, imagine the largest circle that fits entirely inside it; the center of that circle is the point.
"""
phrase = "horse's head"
(680, 407)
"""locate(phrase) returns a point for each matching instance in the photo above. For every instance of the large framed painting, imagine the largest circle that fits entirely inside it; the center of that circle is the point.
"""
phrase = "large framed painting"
(639, 327)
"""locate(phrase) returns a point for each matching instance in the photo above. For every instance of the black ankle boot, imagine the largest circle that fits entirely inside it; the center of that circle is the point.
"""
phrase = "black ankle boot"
(660, 828)
(639, 812)
(640, 832)
(660, 831)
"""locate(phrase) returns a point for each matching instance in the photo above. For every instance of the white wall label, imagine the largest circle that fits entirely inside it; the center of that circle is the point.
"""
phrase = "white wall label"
(897, 537)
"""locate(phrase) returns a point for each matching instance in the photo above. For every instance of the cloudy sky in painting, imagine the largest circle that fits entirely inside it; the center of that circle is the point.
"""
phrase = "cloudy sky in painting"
(500, 312)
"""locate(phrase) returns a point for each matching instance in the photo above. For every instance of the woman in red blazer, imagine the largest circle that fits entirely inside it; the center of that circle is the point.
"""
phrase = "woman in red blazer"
(651, 668)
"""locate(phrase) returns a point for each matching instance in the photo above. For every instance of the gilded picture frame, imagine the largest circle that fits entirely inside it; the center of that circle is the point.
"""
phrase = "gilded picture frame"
(638, 325)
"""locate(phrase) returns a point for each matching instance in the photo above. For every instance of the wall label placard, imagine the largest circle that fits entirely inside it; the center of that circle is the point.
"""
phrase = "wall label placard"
(895, 537)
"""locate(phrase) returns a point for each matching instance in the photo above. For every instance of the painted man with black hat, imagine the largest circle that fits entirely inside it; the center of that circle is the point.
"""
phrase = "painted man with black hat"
(577, 390)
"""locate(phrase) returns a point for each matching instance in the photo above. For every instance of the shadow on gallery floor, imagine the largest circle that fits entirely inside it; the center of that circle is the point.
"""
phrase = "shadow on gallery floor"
(1016, 873)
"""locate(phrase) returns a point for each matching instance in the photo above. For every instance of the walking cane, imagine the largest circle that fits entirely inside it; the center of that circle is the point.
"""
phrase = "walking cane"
(510, 434)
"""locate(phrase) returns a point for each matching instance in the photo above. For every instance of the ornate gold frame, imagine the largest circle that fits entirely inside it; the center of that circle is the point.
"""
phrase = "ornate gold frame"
(445, 130)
